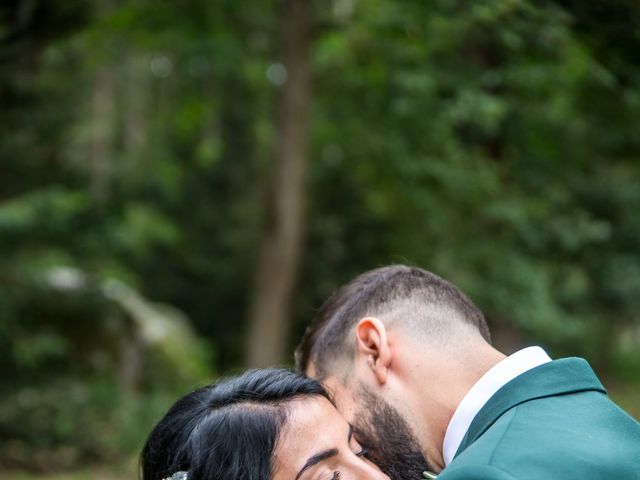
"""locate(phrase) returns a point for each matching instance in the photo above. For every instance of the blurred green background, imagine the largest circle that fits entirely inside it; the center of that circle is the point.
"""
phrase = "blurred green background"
(183, 183)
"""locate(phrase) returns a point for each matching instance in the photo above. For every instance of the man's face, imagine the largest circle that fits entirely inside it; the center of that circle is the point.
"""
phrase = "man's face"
(382, 429)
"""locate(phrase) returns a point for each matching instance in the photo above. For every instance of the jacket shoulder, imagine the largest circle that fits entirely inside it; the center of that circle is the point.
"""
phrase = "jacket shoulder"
(480, 472)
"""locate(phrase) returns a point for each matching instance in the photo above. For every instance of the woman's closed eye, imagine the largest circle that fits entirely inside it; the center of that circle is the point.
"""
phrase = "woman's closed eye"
(356, 447)
(363, 452)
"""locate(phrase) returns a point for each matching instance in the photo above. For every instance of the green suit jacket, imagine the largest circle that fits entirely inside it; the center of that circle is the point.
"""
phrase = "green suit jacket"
(552, 422)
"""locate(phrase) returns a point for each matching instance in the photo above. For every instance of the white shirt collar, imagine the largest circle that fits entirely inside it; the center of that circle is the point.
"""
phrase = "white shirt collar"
(483, 390)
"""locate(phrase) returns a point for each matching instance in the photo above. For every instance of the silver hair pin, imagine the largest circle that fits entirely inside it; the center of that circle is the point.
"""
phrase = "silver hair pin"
(177, 476)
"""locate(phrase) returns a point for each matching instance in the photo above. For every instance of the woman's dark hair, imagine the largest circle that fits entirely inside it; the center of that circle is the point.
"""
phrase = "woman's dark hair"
(227, 430)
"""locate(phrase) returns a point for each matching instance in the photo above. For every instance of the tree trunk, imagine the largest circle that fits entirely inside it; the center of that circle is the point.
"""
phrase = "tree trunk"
(135, 114)
(280, 249)
(100, 148)
(100, 142)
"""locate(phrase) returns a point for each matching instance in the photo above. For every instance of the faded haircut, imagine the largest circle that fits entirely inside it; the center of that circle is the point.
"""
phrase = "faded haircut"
(399, 294)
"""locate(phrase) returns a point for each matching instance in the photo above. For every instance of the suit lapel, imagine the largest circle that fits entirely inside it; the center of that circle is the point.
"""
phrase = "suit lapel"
(559, 377)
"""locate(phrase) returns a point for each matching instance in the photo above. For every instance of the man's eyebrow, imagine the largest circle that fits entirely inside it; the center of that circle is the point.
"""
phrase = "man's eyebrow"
(319, 457)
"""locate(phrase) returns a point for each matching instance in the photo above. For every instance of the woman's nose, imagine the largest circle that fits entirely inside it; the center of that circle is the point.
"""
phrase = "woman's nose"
(368, 470)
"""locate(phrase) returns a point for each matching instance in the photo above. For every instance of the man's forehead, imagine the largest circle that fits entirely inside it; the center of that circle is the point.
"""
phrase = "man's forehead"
(339, 389)
(342, 395)
(310, 371)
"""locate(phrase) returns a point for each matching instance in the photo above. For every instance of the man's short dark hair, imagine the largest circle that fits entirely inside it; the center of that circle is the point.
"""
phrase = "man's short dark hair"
(422, 294)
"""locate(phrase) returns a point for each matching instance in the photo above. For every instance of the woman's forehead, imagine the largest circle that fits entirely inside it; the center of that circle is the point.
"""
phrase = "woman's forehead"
(312, 426)
(314, 419)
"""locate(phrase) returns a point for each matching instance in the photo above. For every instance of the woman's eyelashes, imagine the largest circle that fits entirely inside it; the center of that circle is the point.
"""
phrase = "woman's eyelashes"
(363, 452)
(357, 448)
(360, 452)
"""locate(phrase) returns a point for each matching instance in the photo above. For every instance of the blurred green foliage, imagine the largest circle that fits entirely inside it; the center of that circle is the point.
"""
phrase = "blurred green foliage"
(61, 424)
(493, 142)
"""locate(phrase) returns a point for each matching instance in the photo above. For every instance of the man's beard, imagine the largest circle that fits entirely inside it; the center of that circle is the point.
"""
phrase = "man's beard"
(389, 439)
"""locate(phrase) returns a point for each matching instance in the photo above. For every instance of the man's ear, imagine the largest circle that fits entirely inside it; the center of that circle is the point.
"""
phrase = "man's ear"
(373, 347)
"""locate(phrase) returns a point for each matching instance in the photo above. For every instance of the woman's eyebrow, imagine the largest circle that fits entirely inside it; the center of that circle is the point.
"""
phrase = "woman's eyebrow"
(319, 457)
